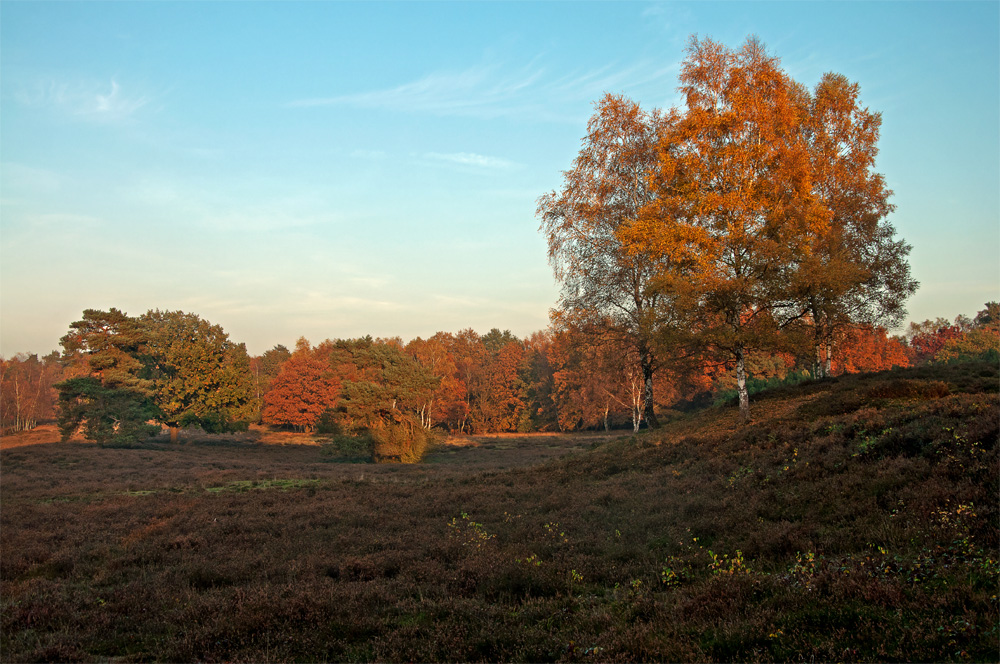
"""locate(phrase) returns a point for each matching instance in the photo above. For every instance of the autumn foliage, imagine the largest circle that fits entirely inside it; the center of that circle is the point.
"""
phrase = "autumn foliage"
(560, 379)
(864, 350)
(27, 394)
(303, 389)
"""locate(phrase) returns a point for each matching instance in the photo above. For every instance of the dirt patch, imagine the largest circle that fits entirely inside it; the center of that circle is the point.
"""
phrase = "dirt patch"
(44, 433)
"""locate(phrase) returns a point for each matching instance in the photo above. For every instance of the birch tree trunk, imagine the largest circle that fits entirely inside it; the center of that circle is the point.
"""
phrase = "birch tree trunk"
(741, 384)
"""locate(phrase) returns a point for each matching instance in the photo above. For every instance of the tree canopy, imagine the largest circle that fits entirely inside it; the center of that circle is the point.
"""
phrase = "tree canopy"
(169, 367)
(606, 289)
(766, 213)
(201, 377)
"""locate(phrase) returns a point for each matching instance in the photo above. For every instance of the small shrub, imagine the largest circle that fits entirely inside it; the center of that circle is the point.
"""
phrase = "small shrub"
(349, 449)
(391, 443)
(399, 443)
(328, 423)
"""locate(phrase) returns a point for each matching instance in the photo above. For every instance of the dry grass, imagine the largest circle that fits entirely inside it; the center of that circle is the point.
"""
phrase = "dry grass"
(855, 520)
(48, 433)
(40, 435)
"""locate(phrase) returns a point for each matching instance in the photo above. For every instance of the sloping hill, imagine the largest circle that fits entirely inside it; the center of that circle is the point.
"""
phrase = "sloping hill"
(855, 520)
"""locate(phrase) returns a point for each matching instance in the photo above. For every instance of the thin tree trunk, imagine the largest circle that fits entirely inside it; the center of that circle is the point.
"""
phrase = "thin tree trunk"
(828, 367)
(741, 384)
(174, 429)
(17, 404)
(636, 412)
(818, 367)
(646, 360)
(32, 418)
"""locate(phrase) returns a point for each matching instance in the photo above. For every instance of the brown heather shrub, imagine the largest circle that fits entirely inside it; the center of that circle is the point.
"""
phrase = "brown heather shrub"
(902, 388)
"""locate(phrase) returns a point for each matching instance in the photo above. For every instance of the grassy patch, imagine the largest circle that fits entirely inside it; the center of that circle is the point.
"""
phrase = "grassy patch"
(241, 486)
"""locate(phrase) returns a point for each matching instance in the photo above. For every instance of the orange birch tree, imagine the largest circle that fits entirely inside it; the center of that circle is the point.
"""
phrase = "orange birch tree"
(603, 285)
(856, 272)
(734, 208)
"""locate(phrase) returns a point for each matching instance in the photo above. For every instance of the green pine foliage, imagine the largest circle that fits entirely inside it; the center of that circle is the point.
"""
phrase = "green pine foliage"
(202, 378)
(169, 367)
(107, 415)
(379, 402)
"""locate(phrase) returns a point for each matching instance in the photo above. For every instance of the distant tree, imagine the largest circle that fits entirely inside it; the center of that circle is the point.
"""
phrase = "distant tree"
(927, 338)
(988, 317)
(596, 380)
(448, 399)
(304, 388)
(494, 340)
(495, 388)
(974, 343)
(978, 336)
(172, 367)
(265, 369)
(383, 399)
(537, 384)
(864, 349)
(469, 355)
(27, 394)
(201, 377)
(605, 287)
(109, 391)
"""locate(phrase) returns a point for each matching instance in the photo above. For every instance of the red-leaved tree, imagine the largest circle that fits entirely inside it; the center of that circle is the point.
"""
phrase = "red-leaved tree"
(304, 388)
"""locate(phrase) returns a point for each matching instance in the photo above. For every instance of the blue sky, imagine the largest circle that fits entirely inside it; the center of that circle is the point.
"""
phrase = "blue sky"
(335, 169)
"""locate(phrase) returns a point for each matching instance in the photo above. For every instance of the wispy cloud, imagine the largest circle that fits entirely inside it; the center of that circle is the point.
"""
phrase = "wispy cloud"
(324, 301)
(472, 159)
(58, 222)
(88, 100)
(591, 84)
(489, 91)
(370, 282)
(480, 90)
(228, 206)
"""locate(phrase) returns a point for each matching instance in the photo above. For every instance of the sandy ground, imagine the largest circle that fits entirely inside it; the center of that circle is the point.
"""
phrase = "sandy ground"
(44, 433)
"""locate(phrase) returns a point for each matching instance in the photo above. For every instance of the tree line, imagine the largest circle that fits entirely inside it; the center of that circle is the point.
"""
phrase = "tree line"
(122, 378)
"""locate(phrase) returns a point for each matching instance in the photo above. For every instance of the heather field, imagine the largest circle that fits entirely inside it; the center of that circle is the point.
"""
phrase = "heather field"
(856, 519)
